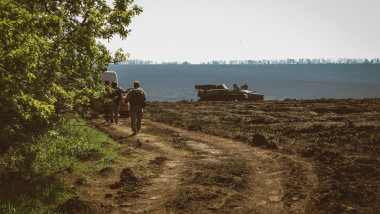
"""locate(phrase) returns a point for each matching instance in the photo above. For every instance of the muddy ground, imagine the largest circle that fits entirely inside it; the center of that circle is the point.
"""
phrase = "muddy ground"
(292, 156)
(340, 138)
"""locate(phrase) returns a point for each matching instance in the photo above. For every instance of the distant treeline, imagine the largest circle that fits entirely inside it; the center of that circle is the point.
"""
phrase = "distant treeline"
(262, 62)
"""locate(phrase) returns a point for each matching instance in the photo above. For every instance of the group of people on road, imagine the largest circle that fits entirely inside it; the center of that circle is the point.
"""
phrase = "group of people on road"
(136, 98)
(112, 99)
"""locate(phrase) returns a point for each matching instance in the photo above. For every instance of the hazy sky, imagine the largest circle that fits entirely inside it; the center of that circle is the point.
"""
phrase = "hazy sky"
(204, 30)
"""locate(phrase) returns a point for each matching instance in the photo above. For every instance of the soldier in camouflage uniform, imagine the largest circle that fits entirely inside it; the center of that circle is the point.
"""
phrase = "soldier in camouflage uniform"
(115, 104)
(106, 101)
(137, 99)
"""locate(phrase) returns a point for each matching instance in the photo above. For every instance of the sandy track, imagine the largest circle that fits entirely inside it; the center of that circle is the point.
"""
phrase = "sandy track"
(268, 172)
(218, 175)
(339, 137)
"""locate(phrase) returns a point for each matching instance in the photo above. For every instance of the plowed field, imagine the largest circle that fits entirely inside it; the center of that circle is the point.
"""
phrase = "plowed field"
(292, 156)
(339, 138)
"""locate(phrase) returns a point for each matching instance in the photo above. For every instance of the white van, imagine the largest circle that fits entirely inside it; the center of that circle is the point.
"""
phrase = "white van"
(110, 76)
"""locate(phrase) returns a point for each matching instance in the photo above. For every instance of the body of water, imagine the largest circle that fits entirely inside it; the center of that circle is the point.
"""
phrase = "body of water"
(276, 82)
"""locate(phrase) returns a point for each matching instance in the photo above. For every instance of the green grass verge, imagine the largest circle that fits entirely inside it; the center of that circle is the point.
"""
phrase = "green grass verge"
(27, 174)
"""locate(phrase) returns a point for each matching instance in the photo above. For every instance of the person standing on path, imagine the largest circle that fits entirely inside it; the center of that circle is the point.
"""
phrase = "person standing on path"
(107, 101)
(115, 104)
(137, 100)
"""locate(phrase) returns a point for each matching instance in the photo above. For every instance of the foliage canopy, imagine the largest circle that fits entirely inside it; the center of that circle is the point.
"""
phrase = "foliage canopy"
(51, 58)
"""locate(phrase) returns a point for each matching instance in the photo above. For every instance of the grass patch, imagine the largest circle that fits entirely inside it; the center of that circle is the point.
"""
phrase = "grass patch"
(27, 174)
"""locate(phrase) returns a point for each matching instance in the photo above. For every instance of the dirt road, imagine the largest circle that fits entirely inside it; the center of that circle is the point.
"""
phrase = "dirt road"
(340, 138)
(192, 172)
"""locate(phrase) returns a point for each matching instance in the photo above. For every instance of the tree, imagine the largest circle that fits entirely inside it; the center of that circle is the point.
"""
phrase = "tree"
(51, 58)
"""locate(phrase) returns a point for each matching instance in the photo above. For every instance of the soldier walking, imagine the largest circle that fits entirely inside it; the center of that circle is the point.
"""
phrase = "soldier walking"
(137, 99)
(107, 101)
(115, 104)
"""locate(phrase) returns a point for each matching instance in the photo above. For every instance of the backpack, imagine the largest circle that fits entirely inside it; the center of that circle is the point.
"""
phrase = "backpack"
(137, 98)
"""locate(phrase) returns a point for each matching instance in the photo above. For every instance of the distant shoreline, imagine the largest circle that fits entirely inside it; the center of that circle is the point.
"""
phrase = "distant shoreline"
(275, 82)
(288, 61)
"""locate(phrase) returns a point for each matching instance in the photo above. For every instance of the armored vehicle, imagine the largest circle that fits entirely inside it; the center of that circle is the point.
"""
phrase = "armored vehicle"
(223, 93)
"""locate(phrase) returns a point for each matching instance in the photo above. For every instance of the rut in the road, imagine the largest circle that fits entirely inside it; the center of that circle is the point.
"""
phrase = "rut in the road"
(200, 173)
(256, 180)
(149, 193)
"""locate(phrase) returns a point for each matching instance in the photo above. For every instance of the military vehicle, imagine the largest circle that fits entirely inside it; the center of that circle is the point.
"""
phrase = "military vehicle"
(223, 93)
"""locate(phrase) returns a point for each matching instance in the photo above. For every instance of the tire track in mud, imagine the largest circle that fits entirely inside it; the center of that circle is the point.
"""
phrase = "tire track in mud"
(161, 186)
(150, 193)
(211, 175)
(274, 183)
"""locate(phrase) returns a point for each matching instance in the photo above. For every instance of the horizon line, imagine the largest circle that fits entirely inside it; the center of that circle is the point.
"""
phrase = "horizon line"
(259, 61)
